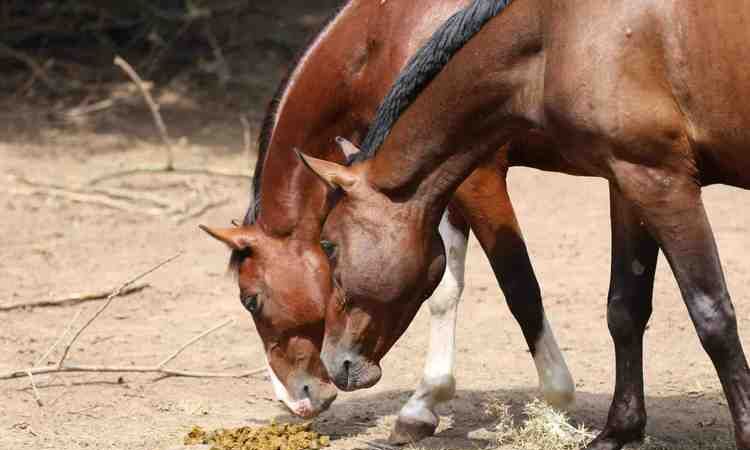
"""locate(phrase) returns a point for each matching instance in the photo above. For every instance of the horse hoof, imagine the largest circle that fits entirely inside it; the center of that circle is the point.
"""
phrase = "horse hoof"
(410, 431)
(610, 441)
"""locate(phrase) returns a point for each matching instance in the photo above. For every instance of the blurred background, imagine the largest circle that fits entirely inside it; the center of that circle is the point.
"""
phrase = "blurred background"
(214, 58)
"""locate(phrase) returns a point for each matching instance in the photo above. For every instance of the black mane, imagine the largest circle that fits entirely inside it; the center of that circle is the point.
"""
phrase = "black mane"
(424, 66)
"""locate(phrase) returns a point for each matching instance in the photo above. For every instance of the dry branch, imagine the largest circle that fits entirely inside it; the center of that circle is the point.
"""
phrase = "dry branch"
(154, 107)
(112, 196)
(160, 169)
(74, 299)
(92, 199)
(202, 210)
(112, 296)
(169, 166)
(246, 139)
(37, 397)
(62, 367)
(119, 199)
(192, 341)
(49, 351)
(80, 368)
(36, 69)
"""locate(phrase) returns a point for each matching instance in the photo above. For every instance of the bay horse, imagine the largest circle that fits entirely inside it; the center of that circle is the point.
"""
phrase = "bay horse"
(283, 271)
(650, 95)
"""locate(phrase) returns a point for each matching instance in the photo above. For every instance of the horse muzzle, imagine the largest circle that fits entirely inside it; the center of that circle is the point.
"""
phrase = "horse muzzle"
(351, 372)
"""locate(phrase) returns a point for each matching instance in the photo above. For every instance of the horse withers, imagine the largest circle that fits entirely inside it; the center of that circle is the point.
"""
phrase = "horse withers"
(648, 95)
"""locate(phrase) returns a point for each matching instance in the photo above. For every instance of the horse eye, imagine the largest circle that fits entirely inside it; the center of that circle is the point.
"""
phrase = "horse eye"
(250, 302)
(329, 248)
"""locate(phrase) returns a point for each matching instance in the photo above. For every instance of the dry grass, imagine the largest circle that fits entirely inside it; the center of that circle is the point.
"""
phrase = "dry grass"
(544, 428)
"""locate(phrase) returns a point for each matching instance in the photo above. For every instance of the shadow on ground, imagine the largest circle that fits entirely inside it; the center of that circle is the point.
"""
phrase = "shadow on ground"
(680, 421)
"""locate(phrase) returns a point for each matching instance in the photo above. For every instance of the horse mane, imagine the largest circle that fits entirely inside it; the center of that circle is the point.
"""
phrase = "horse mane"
(266, 131)
(424, 66)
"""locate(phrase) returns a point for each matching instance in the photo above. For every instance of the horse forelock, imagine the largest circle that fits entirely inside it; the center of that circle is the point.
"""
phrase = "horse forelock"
(273, 109)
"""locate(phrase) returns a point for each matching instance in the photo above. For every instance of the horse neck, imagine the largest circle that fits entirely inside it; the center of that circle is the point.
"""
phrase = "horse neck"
(315, 107)
(335, 91)
(489, 93)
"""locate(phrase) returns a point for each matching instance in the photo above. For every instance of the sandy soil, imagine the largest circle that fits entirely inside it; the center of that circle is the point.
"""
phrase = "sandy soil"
(52, 247)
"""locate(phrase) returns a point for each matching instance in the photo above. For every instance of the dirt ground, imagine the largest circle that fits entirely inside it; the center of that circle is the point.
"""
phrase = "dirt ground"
(52, 246)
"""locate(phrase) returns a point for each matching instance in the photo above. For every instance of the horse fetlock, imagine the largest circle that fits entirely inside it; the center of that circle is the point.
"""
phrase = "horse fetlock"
(627, 423)
(436, 390)
(413, 425)
(742, 438)
(555, 381)
(616, 438)
(559, 392)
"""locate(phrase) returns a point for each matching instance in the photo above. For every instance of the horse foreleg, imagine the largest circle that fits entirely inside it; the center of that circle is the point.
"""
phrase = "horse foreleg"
(418, 419)
(673, 211)
(484, 201)
(634, 257)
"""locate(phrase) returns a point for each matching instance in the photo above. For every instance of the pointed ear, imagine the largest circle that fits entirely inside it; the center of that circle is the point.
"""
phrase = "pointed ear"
(347, 147)
(334, 175)
(240, 238)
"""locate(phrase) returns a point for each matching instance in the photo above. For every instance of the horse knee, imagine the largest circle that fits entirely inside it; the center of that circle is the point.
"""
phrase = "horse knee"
(716, 324)
(627, 316)
(446, 296)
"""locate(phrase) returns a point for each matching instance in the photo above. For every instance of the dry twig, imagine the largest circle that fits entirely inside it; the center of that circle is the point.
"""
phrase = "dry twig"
(49, 351)
(110, 298)
(202, 210)
(246, 139)
(73, 299)
(119, 199)
(169, 166)
(192, 341)
(154, 107)
(63, 367)
(37, 397)
(36, 69)
(160, 169)
(222, 68)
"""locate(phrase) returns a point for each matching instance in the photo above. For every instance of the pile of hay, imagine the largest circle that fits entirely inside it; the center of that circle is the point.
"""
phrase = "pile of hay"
(272, 437)
(544, 428)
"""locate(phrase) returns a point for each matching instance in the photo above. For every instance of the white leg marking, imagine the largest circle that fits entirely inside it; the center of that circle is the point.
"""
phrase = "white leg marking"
(301, 407)
(555, 380)
(438, 384)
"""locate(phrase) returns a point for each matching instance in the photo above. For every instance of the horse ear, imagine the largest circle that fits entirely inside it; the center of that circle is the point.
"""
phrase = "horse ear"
(239, 238)
(347, 147)
(332, 174)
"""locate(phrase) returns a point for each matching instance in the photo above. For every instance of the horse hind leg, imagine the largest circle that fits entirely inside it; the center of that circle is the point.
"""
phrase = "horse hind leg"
(629, 304)
(418, 418)
(485, 203)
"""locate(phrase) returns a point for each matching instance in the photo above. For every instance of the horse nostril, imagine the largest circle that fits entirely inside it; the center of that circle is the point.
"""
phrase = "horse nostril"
(347, 365)
(306, 390)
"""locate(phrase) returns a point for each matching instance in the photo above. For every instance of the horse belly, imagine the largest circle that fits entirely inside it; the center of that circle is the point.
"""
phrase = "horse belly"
(708, 68)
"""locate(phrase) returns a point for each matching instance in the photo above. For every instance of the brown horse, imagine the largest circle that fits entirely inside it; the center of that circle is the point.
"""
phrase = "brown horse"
(335, 89)
(649, 95)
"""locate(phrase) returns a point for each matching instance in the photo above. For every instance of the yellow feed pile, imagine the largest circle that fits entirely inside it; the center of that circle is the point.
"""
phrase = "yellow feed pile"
(272, 437)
